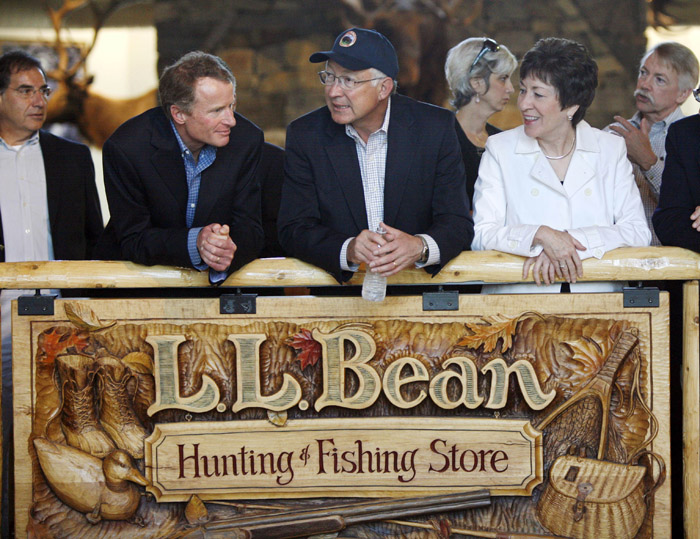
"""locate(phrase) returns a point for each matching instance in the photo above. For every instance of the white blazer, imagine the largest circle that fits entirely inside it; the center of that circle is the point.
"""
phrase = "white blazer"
(517, 191)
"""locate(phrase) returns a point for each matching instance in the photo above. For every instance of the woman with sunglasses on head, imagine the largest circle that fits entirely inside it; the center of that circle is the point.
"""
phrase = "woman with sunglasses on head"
(556, 190)
(478, 72)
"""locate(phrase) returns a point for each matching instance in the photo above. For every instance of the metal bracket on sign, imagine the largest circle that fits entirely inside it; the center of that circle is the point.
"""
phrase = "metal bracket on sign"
(640, 297)
(442, 300)
(237, 303)
(35, 305)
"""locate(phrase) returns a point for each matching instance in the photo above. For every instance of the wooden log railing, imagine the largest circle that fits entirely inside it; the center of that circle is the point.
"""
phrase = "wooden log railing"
(628, 264)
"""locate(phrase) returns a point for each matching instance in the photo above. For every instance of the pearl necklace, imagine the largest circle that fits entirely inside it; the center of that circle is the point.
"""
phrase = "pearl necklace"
(557, 157)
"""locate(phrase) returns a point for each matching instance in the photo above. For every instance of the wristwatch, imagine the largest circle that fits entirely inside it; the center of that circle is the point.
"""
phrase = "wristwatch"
(424, 253)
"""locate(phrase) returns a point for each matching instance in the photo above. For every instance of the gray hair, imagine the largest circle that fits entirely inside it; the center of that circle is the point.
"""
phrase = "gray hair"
(458, 64)
(680, 58)
(178, 81)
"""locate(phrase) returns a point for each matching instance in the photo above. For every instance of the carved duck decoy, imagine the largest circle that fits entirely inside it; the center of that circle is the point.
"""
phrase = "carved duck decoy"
(102, 489)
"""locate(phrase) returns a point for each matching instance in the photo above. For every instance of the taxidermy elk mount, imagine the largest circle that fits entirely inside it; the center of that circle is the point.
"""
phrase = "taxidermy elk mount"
(73, 101)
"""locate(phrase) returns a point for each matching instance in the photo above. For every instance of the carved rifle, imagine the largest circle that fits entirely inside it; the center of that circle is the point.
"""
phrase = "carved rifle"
(303, 522)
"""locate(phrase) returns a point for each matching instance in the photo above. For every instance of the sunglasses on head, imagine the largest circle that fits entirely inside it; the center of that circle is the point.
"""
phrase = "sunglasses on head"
(489, 46)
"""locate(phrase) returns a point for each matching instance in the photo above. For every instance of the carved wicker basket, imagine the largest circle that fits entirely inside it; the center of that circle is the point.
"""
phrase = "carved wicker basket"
(589, 498)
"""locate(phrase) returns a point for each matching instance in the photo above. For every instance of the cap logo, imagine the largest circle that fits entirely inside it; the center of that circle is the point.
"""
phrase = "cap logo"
(348, 40)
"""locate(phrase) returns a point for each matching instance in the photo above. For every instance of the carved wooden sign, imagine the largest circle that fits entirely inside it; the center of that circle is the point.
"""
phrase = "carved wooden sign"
(536, 415)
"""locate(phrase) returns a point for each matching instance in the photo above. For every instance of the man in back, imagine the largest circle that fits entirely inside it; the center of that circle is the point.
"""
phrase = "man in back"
(372, 160)
(181, 178)
(667, 74)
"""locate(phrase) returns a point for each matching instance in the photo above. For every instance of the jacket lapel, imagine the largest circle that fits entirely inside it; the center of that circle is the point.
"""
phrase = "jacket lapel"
(53, 187)
(167, 161)
(541, 170)
(343, 156)
(401, 148)
(210, 187)
(580, 171)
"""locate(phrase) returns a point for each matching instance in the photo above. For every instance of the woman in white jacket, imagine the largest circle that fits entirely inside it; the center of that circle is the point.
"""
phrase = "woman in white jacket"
(556, 190)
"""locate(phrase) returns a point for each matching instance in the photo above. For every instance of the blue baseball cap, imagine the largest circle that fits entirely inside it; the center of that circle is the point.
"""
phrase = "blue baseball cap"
(359, 48)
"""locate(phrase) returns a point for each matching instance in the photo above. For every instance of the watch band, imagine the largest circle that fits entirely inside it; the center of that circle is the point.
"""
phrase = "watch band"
(424, 254)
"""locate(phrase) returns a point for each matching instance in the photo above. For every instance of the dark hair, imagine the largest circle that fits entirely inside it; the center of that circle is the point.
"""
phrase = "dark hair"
(176, 86)
(13, 62)
(566, 65)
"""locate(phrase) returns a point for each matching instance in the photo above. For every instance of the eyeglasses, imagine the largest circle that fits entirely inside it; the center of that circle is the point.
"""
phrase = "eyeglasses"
(696, 94)
(489, 46)
(28, 92)
(346, 83)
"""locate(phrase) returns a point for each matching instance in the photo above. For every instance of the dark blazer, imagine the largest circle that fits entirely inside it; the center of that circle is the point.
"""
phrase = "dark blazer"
(146, 189)
(424, 189)
(680, 186)
(75, 217)
(271, 174)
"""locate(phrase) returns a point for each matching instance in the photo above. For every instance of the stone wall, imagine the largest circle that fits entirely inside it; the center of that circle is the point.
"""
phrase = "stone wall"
(267, 43)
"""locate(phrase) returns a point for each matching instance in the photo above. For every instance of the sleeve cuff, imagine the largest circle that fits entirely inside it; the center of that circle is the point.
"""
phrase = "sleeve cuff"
(344, 264)
(433, 251)
(195, 258)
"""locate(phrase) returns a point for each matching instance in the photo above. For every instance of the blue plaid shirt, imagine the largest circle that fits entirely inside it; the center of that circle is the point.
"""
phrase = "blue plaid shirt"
(193, 171)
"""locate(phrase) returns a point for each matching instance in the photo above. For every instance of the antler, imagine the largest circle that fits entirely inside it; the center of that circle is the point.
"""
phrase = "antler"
(64, 71)
(57, 16)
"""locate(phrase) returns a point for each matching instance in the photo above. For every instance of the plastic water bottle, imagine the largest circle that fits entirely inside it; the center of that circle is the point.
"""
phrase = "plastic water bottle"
(374, 285)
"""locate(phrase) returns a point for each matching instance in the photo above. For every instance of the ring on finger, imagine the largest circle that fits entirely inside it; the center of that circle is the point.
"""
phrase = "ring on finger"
(394, 263)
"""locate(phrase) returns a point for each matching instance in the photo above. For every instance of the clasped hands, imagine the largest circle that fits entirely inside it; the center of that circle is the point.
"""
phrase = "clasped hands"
(386, 253)
(216, 247)
(558, 259)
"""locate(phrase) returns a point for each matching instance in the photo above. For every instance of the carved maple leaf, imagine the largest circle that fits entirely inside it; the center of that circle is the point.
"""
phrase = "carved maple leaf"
(494, 328)
(308, 350)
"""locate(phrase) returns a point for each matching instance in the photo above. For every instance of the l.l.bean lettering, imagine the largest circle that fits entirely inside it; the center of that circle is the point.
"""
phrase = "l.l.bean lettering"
(335, 367)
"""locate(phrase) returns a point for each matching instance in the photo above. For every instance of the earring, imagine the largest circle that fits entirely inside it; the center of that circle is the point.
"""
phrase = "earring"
(570, 117)
(477, 99)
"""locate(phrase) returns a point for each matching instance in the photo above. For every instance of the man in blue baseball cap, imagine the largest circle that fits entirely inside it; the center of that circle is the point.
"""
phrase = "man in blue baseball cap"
(372, 161)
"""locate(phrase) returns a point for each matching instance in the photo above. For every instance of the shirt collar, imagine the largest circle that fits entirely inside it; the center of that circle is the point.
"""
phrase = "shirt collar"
(185, 151)
(350, 130)
(34, 139)
(677, 114)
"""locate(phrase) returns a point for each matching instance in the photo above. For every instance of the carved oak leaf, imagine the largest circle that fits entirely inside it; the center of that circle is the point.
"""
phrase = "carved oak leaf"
(54, 342)
(196, 512)
(495, 327)
(309, 350)
(83, 317)
(279, 419)
(139, 362)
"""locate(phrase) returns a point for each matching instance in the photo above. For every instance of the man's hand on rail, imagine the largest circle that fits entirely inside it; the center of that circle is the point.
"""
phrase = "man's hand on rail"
(216, 246)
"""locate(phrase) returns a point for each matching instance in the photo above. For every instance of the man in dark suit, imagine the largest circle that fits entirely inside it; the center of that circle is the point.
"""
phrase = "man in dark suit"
(48, 201)
(371, 160)
(70, 204)
(677, 217)
(181, 180)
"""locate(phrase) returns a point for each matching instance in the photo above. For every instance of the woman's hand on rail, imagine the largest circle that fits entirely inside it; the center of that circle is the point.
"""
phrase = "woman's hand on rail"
(562, 249)
(542, 269)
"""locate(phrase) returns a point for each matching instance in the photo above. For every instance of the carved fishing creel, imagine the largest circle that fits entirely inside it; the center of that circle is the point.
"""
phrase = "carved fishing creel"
(593, 498)
(589, 498)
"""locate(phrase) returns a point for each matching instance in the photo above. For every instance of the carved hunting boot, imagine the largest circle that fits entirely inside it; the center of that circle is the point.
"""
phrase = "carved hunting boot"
(116, 413)
(79, 417)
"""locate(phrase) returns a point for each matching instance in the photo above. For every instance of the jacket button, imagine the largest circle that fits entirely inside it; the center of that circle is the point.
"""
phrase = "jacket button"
(535, 192)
